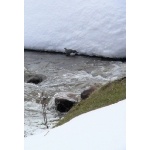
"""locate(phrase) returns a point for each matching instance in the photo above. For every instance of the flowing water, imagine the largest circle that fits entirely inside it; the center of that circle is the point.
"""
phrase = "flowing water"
(62, 74)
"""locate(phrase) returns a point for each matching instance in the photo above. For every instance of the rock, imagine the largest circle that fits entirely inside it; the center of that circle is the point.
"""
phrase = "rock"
(86, 93)
(32, 91)
(30, 77)
(63, 105)
(35, 79)
(63, 101)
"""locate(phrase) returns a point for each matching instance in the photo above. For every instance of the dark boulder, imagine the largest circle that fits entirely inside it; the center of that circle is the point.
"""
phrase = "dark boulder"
(86, 93)
(31, 77)
(63, 105)
(35, 78)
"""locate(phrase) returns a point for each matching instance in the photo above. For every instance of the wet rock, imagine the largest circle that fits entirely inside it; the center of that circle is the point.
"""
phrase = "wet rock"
(32, 91)
(30, 77)
(86, 93)
(63, 101)
(35, 79)
(63, 105)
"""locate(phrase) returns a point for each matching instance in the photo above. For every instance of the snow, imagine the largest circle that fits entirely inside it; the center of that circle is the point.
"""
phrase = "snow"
(103, 129)
(93, 27)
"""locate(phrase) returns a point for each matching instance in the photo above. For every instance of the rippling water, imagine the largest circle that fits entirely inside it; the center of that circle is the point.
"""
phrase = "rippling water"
(63, 74)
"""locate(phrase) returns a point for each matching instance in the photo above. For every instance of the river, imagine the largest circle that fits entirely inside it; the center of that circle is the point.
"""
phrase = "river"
(62, 74)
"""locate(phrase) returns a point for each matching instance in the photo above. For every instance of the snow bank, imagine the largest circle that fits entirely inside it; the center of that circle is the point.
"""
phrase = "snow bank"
(101, 129)
(93, 27)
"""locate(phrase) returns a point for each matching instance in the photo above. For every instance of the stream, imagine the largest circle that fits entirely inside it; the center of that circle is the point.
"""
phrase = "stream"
(61, 74)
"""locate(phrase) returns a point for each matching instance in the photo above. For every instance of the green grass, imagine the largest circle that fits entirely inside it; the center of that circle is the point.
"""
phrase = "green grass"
(106, 95)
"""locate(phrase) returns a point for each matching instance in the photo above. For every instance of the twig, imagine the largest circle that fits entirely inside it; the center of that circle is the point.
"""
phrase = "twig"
(46, 133)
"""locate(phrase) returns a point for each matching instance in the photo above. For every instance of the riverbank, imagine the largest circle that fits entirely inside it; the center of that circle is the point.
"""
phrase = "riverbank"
(106, 95)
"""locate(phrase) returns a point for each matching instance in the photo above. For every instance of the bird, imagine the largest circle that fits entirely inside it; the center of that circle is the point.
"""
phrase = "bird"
(70, 52)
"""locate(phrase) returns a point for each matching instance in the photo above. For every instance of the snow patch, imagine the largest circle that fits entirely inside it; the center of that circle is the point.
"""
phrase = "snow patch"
(93, 27)
(103, 129)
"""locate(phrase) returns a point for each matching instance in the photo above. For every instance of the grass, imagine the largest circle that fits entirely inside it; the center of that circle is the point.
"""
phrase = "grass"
(106, 95)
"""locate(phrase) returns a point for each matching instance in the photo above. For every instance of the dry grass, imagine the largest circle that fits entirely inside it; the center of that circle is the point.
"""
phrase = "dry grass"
(108, 94)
